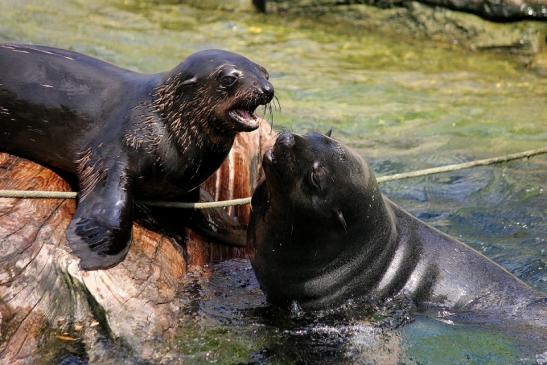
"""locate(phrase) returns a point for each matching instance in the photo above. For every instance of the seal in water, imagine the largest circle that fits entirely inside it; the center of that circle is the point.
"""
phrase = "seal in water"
(324, 234)
(123, 134)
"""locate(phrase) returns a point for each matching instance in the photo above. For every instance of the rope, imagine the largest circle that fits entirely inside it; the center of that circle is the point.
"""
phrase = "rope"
(38, 194)
(203, 205)
(462, 166)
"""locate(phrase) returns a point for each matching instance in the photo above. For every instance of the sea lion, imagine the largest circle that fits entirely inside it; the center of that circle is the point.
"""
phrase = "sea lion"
(324, 233)
(125, 135)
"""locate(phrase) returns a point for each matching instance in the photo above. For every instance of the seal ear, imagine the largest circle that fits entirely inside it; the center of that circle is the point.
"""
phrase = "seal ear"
(329, 133)
(339, 216)
(190, 81)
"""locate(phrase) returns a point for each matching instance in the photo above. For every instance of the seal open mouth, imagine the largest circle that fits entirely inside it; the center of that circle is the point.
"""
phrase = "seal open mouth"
(245, 119)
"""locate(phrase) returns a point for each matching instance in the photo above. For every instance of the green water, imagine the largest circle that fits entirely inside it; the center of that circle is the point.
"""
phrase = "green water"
(402, 104)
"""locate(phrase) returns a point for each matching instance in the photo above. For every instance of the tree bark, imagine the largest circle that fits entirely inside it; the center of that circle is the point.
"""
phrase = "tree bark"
(45, 297)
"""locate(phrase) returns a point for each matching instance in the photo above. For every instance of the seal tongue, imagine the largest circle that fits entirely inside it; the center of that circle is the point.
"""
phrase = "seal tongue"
(244, 114)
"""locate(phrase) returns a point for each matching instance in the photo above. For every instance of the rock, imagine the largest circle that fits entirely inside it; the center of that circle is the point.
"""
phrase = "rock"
(48, 306)
(419, 21)
(497, 10)
(231, 5)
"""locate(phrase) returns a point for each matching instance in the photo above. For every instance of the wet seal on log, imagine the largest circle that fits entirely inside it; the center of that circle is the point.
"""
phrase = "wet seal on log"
(324, 234)
(123, 134)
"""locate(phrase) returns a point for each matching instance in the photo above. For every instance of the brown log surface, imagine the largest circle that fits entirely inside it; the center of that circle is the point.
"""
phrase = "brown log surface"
(42, 288)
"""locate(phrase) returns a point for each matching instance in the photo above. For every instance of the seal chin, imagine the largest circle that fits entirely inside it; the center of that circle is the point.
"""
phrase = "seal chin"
(278, 170)
(268, 156)
(268, 160)
(272, 171)
(244, 120)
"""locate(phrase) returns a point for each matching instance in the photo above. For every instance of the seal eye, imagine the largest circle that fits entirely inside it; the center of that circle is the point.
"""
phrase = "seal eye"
(228, 80)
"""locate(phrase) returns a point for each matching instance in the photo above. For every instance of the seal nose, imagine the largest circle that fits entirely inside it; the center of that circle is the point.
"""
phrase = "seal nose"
(267, 92)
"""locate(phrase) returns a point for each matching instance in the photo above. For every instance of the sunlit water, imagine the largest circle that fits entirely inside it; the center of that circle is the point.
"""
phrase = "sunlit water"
(403, 105)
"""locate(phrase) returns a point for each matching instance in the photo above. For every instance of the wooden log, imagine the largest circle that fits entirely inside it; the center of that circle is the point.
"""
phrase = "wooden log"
(43, 291)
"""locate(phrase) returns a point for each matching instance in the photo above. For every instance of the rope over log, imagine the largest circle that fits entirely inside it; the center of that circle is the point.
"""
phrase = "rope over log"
(40, 194)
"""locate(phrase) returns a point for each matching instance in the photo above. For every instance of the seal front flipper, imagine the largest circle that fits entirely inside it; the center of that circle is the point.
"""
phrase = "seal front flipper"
(100, 231)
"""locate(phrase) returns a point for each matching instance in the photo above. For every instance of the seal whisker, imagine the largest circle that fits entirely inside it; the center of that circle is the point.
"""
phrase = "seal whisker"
(278, 104)
(272, 114)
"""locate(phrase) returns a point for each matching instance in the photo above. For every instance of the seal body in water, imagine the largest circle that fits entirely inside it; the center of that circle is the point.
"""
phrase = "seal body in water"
(123, 134)
(324, 233)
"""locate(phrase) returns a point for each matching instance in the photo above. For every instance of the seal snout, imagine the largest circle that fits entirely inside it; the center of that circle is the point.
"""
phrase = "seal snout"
(266, 92)
(284, 147)
(286, 140)
(243, 114)
(280, 154)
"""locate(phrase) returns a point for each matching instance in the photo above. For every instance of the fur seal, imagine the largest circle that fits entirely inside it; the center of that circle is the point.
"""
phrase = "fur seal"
(123, 134)
(324, 234)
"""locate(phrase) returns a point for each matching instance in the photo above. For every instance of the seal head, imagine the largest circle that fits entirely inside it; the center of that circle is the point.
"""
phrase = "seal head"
(221, 87)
